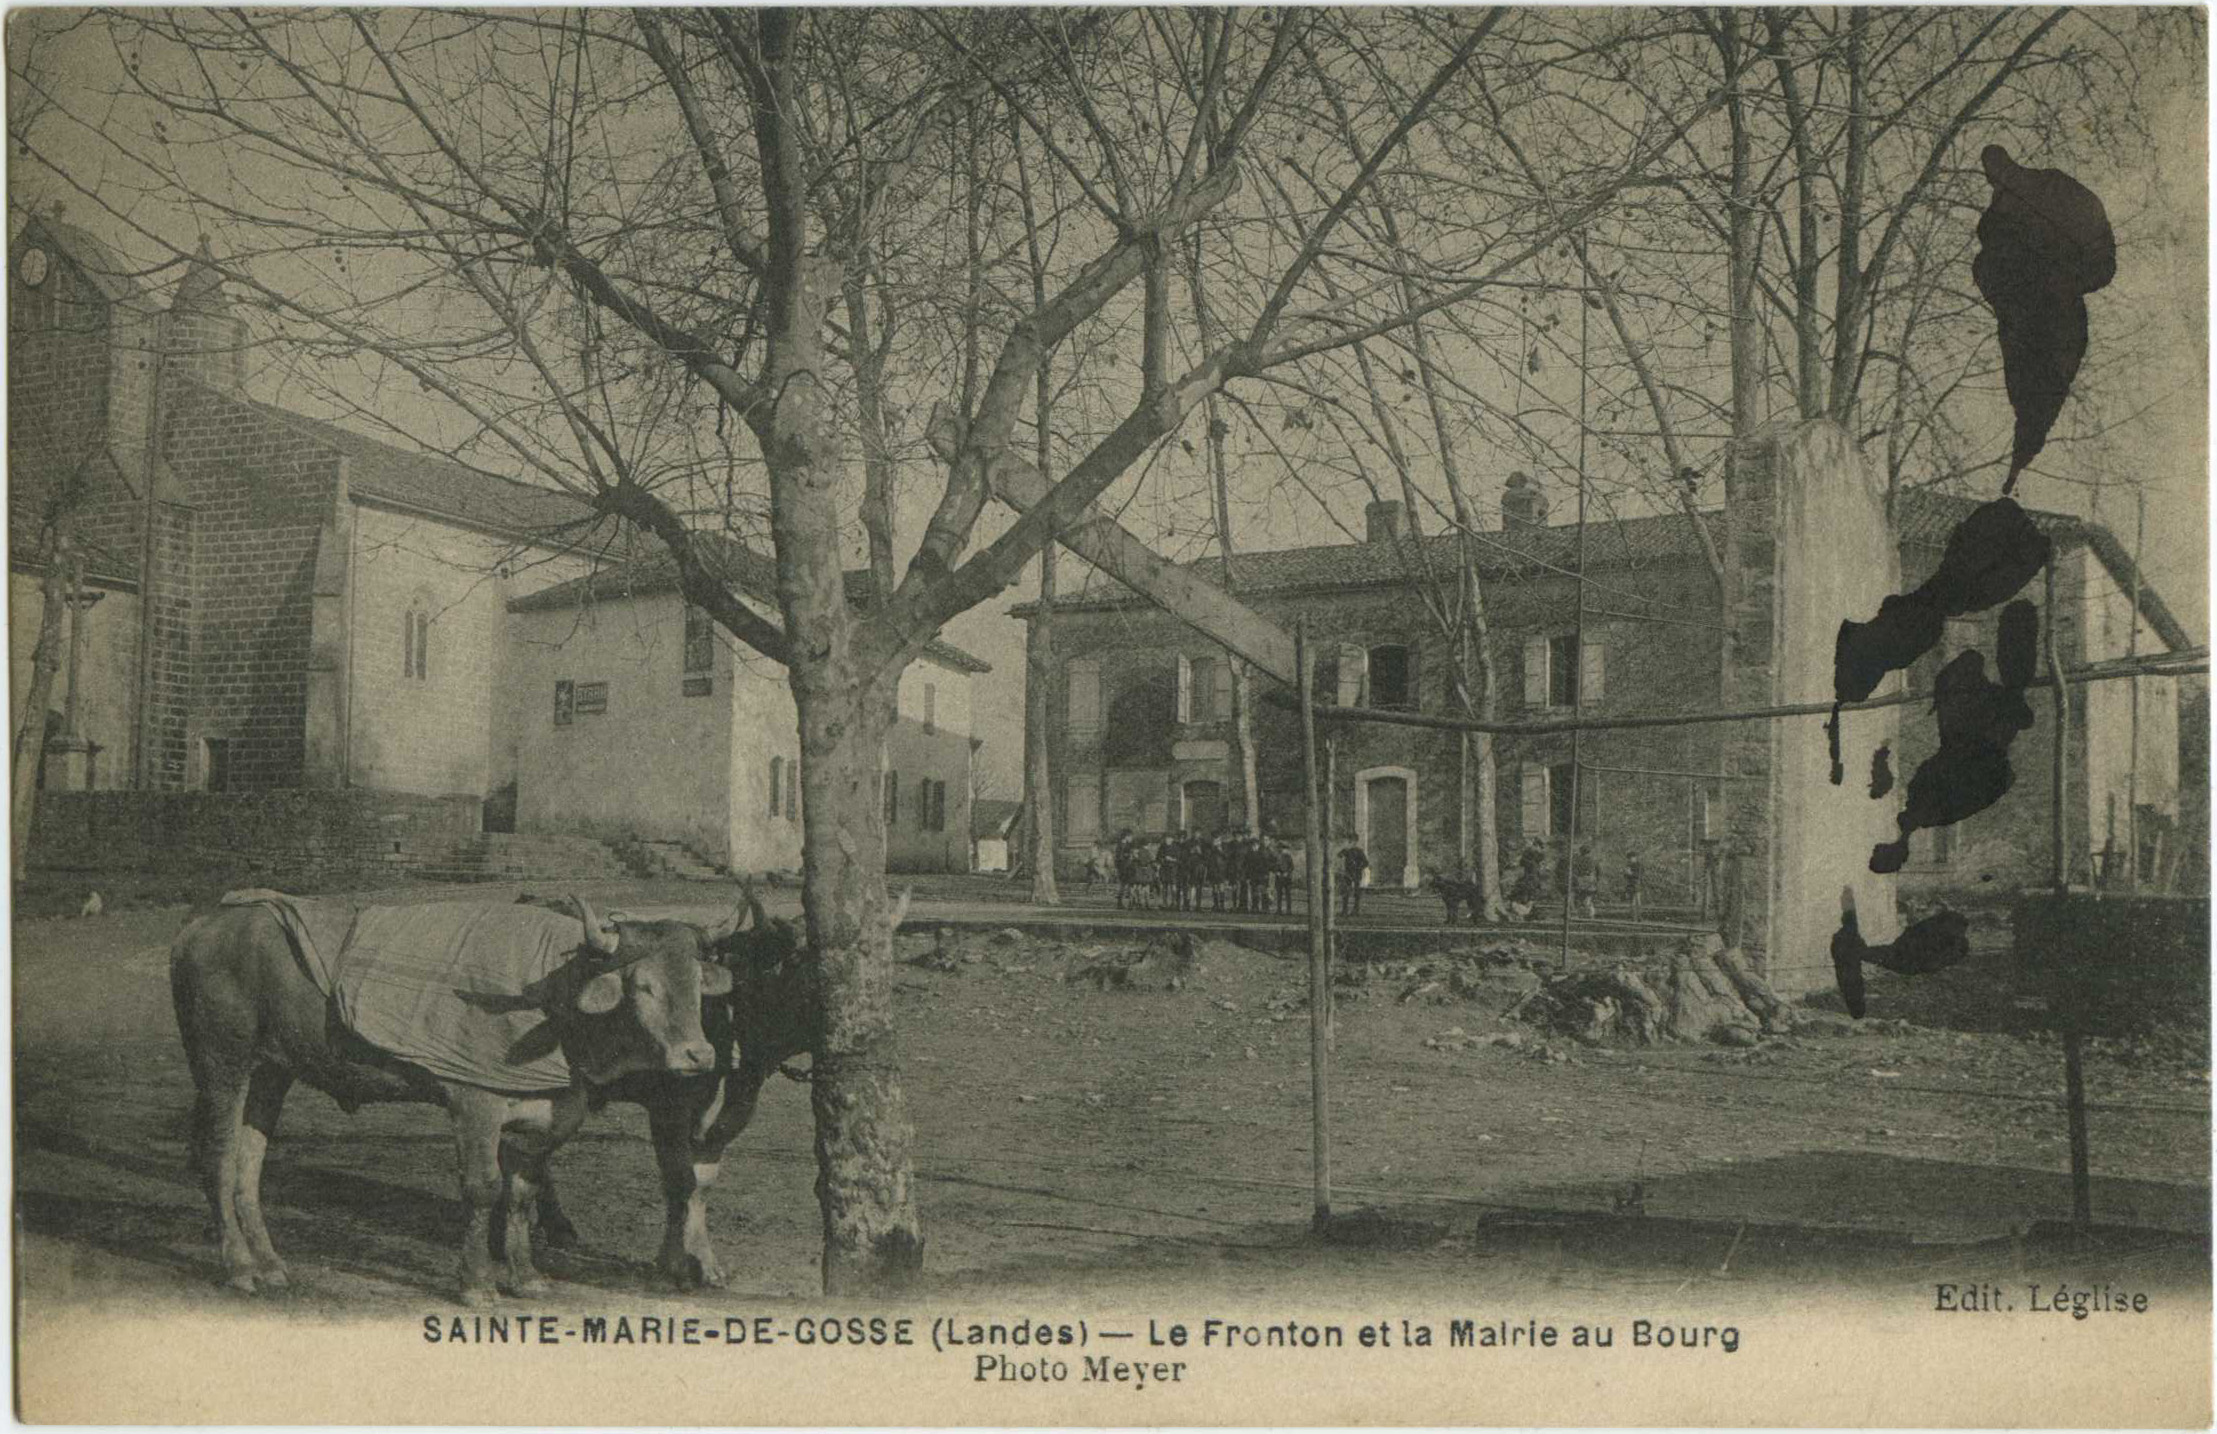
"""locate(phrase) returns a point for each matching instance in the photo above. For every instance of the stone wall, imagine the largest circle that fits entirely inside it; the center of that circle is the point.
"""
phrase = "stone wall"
(261, 493)
(1815, 548)
(277, 837)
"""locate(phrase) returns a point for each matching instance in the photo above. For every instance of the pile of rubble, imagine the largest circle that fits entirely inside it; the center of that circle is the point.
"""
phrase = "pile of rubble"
(1708, 992)
(1702, 992)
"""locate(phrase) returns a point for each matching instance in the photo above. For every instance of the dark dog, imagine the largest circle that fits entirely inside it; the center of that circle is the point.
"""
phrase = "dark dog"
(1457, 894)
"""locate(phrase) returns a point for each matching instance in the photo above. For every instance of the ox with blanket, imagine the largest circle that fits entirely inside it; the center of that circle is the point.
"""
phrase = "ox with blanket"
(515, 1018)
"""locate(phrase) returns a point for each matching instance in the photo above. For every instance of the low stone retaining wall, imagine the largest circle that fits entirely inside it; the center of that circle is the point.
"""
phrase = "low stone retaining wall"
(301, 837)
(2115, 963)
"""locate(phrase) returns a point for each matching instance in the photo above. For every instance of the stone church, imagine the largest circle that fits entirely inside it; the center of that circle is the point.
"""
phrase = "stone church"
(319, 651)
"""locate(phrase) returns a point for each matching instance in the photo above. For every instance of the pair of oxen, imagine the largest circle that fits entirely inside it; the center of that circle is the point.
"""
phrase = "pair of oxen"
(685, 1020)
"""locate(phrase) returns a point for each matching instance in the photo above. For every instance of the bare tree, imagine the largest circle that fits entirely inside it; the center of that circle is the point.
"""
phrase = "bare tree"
(643, 233)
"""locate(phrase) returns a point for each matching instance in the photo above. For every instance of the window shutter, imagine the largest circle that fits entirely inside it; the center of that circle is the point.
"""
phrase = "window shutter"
(423, 645)
(1589, 672)
(1085, 697)
(1185, 688)
(793, 790)
(777, 782)
(408, 645)
(1222, 706)
(1083, 809)
(1535, 671)
(1354, 673)
(1534, 777)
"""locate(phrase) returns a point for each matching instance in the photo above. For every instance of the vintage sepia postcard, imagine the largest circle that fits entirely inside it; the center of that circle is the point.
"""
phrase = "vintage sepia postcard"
(1072, 717)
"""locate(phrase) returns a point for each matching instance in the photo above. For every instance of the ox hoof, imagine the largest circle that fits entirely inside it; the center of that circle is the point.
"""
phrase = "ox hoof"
(558, 1234)
(246, 1282)
(273, 1277)
(478, 1297)
(693, 1273)
(535, 1288)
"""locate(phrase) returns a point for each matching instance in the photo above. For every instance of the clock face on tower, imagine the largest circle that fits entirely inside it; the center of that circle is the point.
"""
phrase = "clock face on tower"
(33, 267)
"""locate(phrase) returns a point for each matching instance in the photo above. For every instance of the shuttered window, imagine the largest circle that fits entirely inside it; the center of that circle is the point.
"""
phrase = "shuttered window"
(1354, 676)
(1590, 672)
(793, 790)
(1559, 672)
(1082, 807)
(777, 783)
(1532, 779)
(1185, 688)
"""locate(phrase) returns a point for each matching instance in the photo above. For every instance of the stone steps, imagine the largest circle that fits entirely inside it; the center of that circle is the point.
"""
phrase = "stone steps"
(522, 856)
(675, 859)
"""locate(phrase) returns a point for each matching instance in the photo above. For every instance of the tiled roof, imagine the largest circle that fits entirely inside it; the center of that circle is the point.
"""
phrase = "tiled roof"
(1928, 518)
(1925, 518)
(745, 569)
(443, 487)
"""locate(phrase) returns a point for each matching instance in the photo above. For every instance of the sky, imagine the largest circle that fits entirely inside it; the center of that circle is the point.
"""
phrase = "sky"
(2158, 307)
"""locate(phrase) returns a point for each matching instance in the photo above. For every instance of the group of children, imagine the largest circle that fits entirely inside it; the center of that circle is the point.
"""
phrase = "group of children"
(1252, 874)
(1232, 871)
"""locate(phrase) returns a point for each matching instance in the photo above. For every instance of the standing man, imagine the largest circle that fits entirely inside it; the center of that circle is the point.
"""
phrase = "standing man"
(1353, 862)
(1709, 859)
(1585, 878)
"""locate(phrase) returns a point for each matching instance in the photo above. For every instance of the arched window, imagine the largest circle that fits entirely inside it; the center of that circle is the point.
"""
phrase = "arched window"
(415, 641)
(777, 783)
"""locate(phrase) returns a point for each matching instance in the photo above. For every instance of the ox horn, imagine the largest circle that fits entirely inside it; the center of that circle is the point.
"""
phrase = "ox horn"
(743, 916)
(900, 909)
(600, 937)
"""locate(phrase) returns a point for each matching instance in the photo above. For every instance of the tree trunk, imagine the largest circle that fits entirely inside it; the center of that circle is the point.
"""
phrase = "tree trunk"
(59, 581)
(1039, 716)
(873, 1241)
(1042, 694)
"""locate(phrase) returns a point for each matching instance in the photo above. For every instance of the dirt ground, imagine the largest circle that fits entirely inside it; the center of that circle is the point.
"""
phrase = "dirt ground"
(1114, 1132)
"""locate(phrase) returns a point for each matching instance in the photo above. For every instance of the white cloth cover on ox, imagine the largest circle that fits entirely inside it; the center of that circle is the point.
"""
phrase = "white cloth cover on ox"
(457, 988)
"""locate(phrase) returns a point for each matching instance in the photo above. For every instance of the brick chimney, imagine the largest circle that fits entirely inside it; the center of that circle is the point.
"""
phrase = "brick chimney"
(1523, 505)
(1382, 523)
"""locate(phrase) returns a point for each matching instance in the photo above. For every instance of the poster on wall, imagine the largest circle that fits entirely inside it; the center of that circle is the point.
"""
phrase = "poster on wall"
(592, 697)
(565, 701)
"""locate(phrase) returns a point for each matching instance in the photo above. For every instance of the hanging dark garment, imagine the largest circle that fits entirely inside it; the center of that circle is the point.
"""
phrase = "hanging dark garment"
(2044, 244)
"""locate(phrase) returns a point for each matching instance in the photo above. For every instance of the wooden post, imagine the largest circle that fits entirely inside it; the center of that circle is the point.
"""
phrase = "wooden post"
(1327, 740)
(1320, 975)
(2059, 830)
(2132, 650)
(2059, 826)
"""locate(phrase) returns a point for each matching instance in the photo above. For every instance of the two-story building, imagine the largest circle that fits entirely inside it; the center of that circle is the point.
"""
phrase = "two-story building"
(1145, 743)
